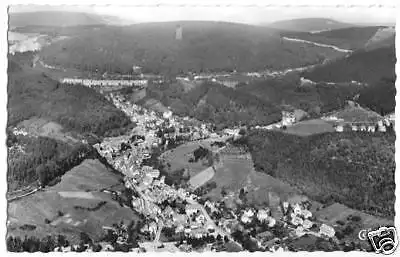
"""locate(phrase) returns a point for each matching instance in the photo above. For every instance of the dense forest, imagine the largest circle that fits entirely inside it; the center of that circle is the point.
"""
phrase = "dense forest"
(215, 103)
(42, 160)
(380, 96)
(363, 66)
(76, 108)
(314, 99)
(356, 169)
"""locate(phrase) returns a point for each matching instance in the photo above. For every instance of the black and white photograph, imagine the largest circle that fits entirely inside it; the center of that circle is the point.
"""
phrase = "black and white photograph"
(173, 128)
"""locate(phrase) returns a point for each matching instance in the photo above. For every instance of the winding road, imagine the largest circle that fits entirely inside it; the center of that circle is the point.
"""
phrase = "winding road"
(317, 44)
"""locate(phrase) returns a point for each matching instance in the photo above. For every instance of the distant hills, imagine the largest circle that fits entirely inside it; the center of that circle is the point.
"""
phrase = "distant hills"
(308, 24)
(205, 46)
(60, 19)
(352, 38)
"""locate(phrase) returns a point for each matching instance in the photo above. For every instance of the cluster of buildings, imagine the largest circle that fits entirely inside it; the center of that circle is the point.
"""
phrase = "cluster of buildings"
(161, 204)
(19, 132)
(356, 118)
(105, 82)
(300, 221)
(179, 210)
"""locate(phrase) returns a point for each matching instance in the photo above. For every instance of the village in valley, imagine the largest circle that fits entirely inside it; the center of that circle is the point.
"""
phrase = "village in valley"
(138, 155)
(182, 217)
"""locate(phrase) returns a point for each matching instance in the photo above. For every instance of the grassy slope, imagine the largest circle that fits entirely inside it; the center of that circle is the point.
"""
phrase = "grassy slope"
(90, 176)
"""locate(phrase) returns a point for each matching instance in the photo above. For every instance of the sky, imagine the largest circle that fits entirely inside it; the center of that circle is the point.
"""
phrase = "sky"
(240, 14)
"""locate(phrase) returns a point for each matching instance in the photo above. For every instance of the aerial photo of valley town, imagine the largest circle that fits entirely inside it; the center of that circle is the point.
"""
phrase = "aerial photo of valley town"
(183, 134)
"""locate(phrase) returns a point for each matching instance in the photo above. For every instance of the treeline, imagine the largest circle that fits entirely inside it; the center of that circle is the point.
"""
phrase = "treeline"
(215, 103)
(44, 160)
(356, 169)
(76, 108)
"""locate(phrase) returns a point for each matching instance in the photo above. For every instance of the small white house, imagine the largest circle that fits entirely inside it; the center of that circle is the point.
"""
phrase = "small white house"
(382, 128)
(339, 128)
(371, 129)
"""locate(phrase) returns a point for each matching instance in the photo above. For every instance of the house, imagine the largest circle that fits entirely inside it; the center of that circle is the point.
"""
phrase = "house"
(167, 114)
(327, 230)
(381, 128)
(339, 128)
(288, 118)
(297, 221)
(272, 222)
(306, 214)
(190, 210)
(354, 128)
(371, 128)
(245, 219)
(263, 215)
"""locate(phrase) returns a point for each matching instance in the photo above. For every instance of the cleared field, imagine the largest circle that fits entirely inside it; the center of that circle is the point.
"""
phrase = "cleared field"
(309, 127)
(155, 105)
(178, 158)
(187, 85)
(237, 172)
(45, 128)
(337, 211)
(66, 208)
(202, 178)
(77, 194)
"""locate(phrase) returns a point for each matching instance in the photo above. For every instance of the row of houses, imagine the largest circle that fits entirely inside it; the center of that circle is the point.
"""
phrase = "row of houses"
(362, 127)
(94, 82)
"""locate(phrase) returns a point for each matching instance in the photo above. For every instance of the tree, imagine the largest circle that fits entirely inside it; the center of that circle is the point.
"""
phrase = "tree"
(41, 173)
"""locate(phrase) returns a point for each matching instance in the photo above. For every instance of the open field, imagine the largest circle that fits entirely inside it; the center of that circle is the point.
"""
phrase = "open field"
(309, 127)
(41, 127)
(237, 172)
(155, 105)
(339, 212)
(178, 158)
(202, 177)
(66, 208)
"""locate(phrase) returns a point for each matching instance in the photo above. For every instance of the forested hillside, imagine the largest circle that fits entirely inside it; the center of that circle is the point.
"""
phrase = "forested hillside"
(308, 24)
(352, 38)
(380, 96)
(314, 99)
(362, 66)
(356, 169)
(205, 46)
(216, 103)
(76, 108)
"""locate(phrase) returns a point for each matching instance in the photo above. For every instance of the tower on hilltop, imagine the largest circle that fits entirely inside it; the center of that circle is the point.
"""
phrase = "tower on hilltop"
(178, 32)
